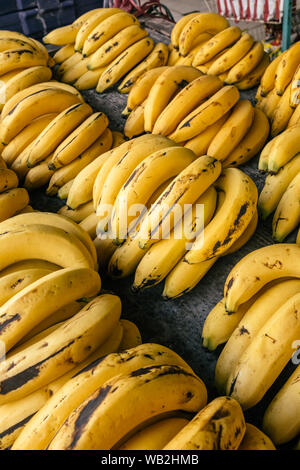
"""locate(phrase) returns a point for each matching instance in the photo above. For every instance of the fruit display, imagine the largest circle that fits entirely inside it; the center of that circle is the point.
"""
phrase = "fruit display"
(12, 198)
(278, 94)
(281, 192)
(258, 321)
(204, 115)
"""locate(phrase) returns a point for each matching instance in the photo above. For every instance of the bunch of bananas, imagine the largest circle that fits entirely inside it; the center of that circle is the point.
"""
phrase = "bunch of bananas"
(208, 42)
(13, 200)
(101, 48)
(204, 115)
(281, 192)
(258, 321)
(23, 62)
(279, 92)
(50, 134)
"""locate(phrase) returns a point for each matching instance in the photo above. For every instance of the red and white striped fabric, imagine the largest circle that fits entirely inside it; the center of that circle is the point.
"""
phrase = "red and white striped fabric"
(251, 10)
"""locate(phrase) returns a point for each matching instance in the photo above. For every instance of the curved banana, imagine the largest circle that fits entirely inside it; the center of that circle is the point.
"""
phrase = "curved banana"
(124, 62)
(68, 64)
(20, 58)
(131, 335)
(285, 147)
(231, 220)
(72, 74)
(264, 155)
(199, 144)
(232, 131)
(206, 114)
(135, 123)
(265, 358)
(63, 192)
(35, 177)
(276, 185)
(11, 202)
(249, 62)
(29, 264)
(164, 89)
(252, 143)
(295, 87)
(158, 57)
(64, 53)
(287, 68)
(268, 79)
(232, 56)
(202, 23)
(255, 439)
(184, 102)
(79, 213)
(178, 27)
(89, 79)
(141, 88)
(219, 426)
(248, 328)
(267, 263)
(8, 179)
(216, 44)
(282, 113)
(253, 78)
(287, 215)
(281, 419)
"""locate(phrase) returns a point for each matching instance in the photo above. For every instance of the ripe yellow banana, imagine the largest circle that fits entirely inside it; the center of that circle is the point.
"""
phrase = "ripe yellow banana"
(189, 59)
(206, 114)
(282, 113)
(252, 143)
(255, 439)
(164, 89)
(257, 269)
(199, 144)
(285, 147)
(33, 106)
(248, 328)
(268, 79)
(157, 58)
(249, 62)
(20, 58)
(63, 192)
(231, 220)
(79, 140)
(253, 78)
(202, 23)
(135, 123)
(184, 102)
(8, 179)
(232, 131)
(266, 356)
(216, 44)
(287, 215)
(131, 335)
(35, 177)
(11, 43)
(264, 155)
(141, 88)
(29, 264)
(155, 436)
(281, 419)
(174, 56)
(74, 73)
(178, 27)
(276, 185)
(11, 202)
(287, 68)
(295, 118)
(68, 64)
(64, 53)
(78, 214)
(295, 87)
(219, 426)
(232, 56)
(89, 79)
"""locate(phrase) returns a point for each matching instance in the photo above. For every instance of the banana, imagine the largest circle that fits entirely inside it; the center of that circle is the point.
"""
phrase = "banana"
(216, 44)
(155, 436)
(264, 155)
(252, 142)
(295, 86)
(124, 62)
(67, 34)
(64, 53)
(295, 118)
(78, 214)
(164, 89)
(199, 144)
(54, 220)
(248, 328)
(33, 106)
(184, 102)
(178, 27)
(43, 297)
(89, 79)
(255, 439)
(25, 137)
(48, 420)
(258, 268)
(79, 140)
(107, 29)
(236, 53)
(20, 58)
(164, 255)
(29, 264)
(276, 185)
(287, 68)
(135, 123)
(54, 355)
(174, 56)
(281, 419)
(99, 15)
(148, 175)
(268, 79)
(141, 88)
(57, 131)
(282, 113)
(205, 67)
(131, 336)
(285, 147)
(74, 73)
(219, 426)
(122, 170)
(68, 64)
(115, 46)
(253, 78)
(206, 114)
(157, 58)
(249, 62)
(287, 215)
(231, 220)
(203, 23)
(105, 248)
(11, 43)
(266, 356)
(170, 382)
(232, 131)
(8, 180)
(188, 60)
(246, 235)
(186, 188)
(89, 225)
(63, 192)
(35, 177)
(11, 202)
